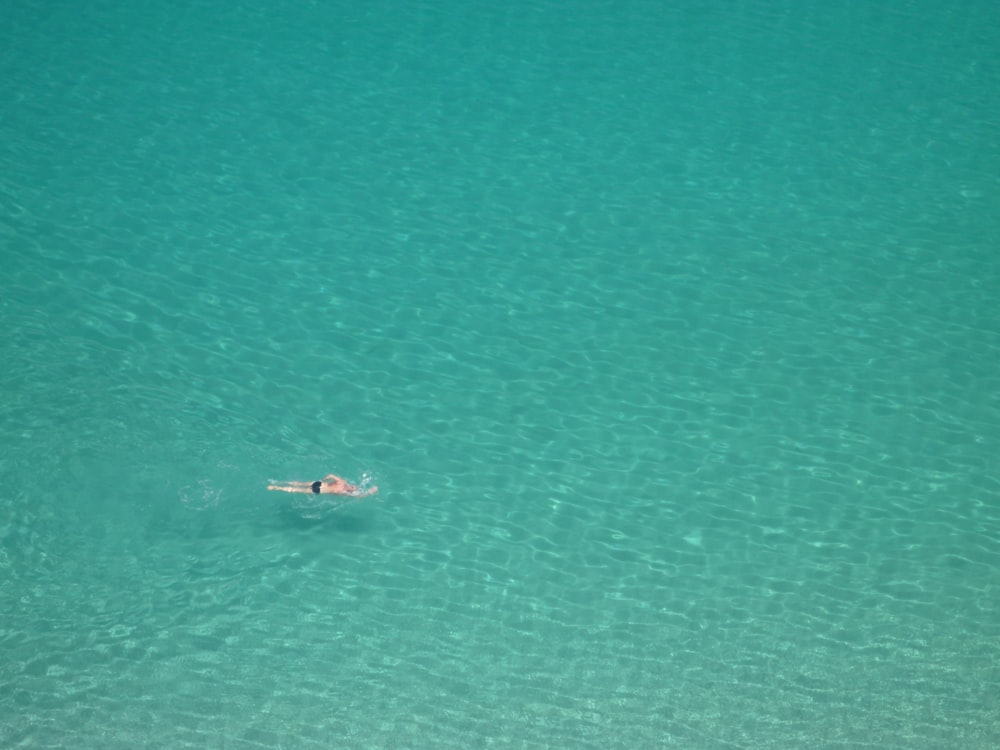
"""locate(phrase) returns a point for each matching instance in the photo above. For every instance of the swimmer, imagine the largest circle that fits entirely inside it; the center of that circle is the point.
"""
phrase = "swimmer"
(331, 484)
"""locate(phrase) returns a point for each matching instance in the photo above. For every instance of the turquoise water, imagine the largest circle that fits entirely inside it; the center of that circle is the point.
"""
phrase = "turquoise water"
(669, 331)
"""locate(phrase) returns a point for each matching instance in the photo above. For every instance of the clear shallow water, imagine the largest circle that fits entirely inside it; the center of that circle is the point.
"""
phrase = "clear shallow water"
(670, 336)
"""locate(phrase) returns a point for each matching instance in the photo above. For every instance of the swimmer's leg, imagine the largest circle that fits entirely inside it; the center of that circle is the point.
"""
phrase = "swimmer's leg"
(301, 487)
